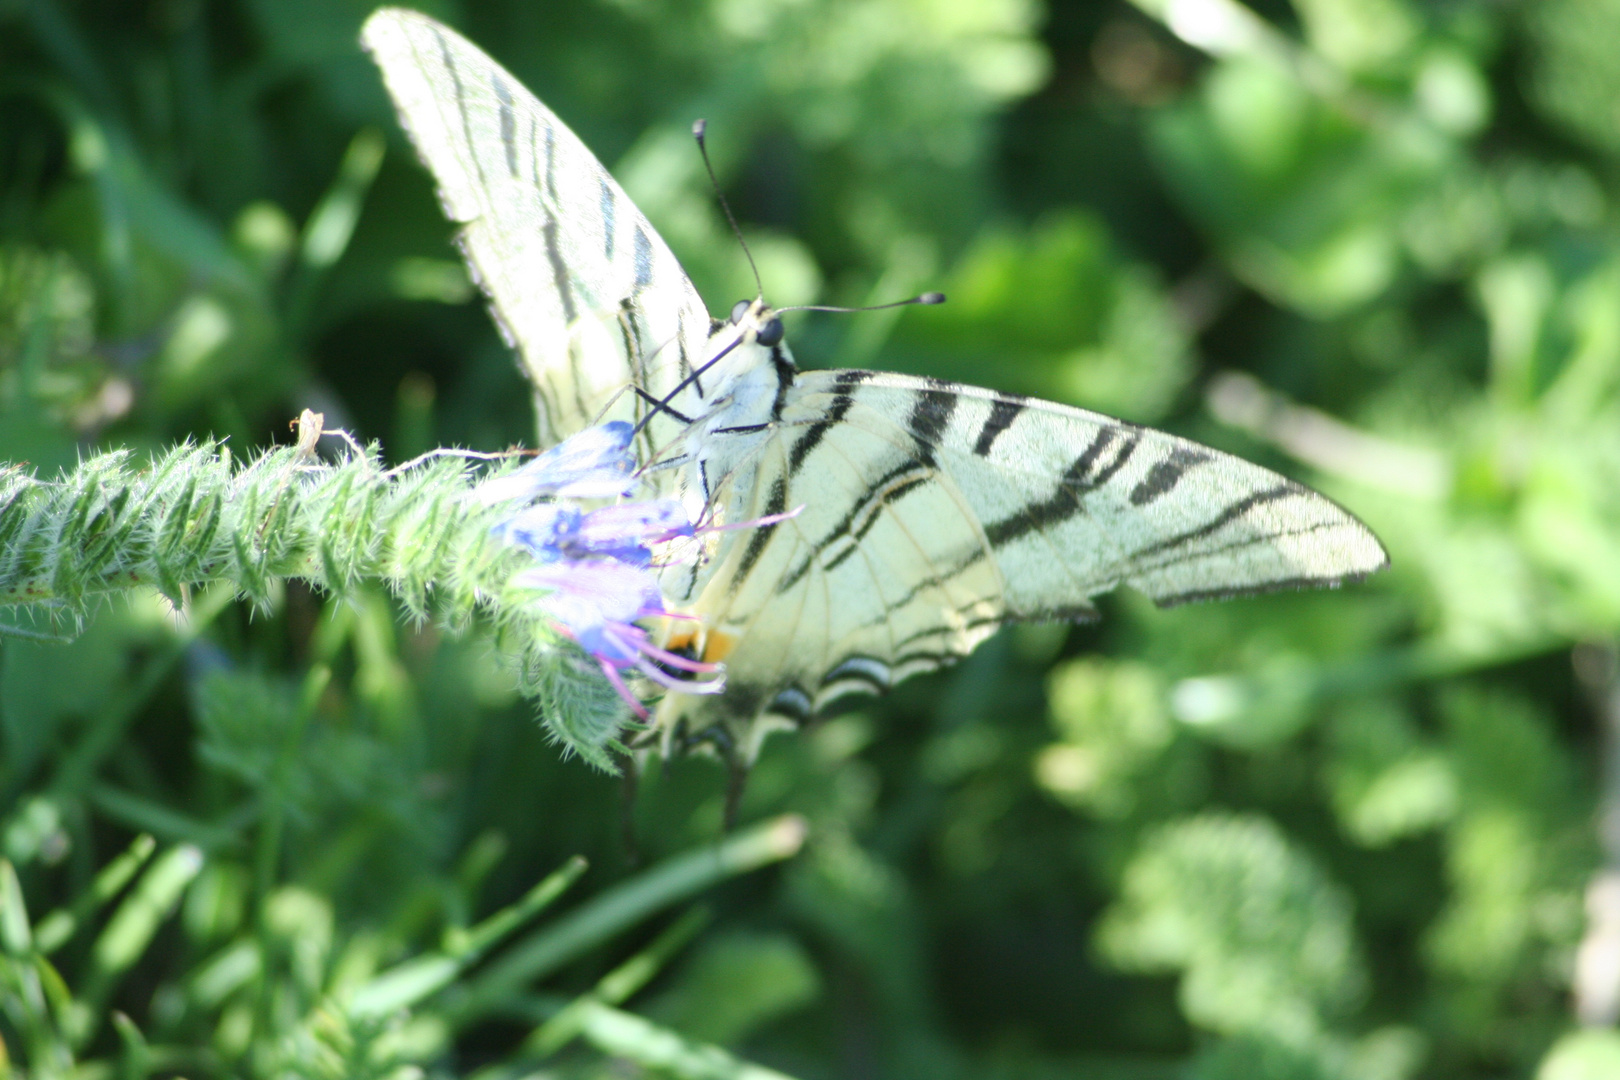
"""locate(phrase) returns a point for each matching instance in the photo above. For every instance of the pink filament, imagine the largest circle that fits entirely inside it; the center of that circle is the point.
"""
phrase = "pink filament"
(626, 635)
(624, 691)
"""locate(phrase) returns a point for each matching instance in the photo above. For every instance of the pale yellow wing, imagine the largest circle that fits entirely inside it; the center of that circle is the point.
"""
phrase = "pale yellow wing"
(578, 280)
(933, 513)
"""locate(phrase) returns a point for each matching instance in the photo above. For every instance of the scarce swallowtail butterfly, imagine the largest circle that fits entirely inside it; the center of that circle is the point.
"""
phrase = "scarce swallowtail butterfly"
(932, 512)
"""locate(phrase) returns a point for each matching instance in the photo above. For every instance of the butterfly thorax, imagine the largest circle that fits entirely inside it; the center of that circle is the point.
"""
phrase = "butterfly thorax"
(733, 402)
(728, 412)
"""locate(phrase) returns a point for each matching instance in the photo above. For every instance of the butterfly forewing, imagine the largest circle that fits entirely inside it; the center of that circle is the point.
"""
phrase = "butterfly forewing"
(935, 512)
(579, 281)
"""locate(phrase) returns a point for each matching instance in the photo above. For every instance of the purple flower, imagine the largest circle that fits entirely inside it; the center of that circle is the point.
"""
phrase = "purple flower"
(595, 566)
(595, 602)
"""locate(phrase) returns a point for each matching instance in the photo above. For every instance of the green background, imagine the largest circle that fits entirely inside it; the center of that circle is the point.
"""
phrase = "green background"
(1370, 243)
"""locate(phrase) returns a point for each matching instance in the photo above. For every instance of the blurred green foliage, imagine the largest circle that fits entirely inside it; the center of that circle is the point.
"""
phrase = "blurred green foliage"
(1343, 836)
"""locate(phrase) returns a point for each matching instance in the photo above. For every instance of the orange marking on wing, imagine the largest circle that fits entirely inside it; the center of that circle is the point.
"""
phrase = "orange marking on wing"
(717, 646)
(681, 635)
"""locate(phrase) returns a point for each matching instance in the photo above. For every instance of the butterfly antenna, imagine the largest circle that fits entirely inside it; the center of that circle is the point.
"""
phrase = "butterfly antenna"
(699, 130)
(662, 404)
(925, 298)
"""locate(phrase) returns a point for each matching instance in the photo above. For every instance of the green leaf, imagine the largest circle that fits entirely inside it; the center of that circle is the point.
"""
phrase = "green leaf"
(1264, 940)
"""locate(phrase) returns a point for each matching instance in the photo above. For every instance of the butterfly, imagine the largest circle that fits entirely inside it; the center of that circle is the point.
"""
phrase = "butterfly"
(929, 513)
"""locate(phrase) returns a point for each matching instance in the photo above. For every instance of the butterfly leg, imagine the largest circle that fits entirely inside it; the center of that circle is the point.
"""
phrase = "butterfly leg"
(736, 764)
(661, 406)
(629, 789)
(719, 741)
(736, 781)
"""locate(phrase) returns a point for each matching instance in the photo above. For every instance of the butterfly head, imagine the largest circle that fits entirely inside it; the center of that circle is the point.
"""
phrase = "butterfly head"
(749, 367)
(758, 322)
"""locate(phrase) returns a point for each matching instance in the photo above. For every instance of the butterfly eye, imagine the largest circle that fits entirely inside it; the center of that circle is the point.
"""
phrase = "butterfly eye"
(738, 310)
(771, 333)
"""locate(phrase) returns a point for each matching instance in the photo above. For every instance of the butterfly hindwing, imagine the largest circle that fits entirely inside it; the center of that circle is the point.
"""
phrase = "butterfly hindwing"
(935, 512)
(581, 284)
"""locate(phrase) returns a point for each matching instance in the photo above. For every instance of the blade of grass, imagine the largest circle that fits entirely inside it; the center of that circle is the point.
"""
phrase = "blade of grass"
(132, 926)
(76, 772)
(672, 881)
(403, 986)
(267, 850)
(15, 935)
(56, 928)
(160, 820)
(331, 224)
(137, 1061)
(626, 1035)
(617, 985)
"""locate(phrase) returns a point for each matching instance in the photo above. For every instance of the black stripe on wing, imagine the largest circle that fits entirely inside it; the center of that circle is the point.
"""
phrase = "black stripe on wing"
(1165, 475)
(548, 230)
(930, 415)
(860, 518)
(1331, 579)
(884, 500)
(812, 436)
(550, 187)
(1003, 411)
(1176, 549)
(761, 535)
(503, 95)
(1307, 581)
(1088, 472)
(461, 103)
(1285, 490)
(609, 207)
(643, 257)
(934, 581)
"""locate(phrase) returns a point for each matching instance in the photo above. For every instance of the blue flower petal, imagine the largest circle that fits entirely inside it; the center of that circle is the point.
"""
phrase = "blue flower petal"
(604, 643)
(623, 532)
(543, 529)
(594, 464)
